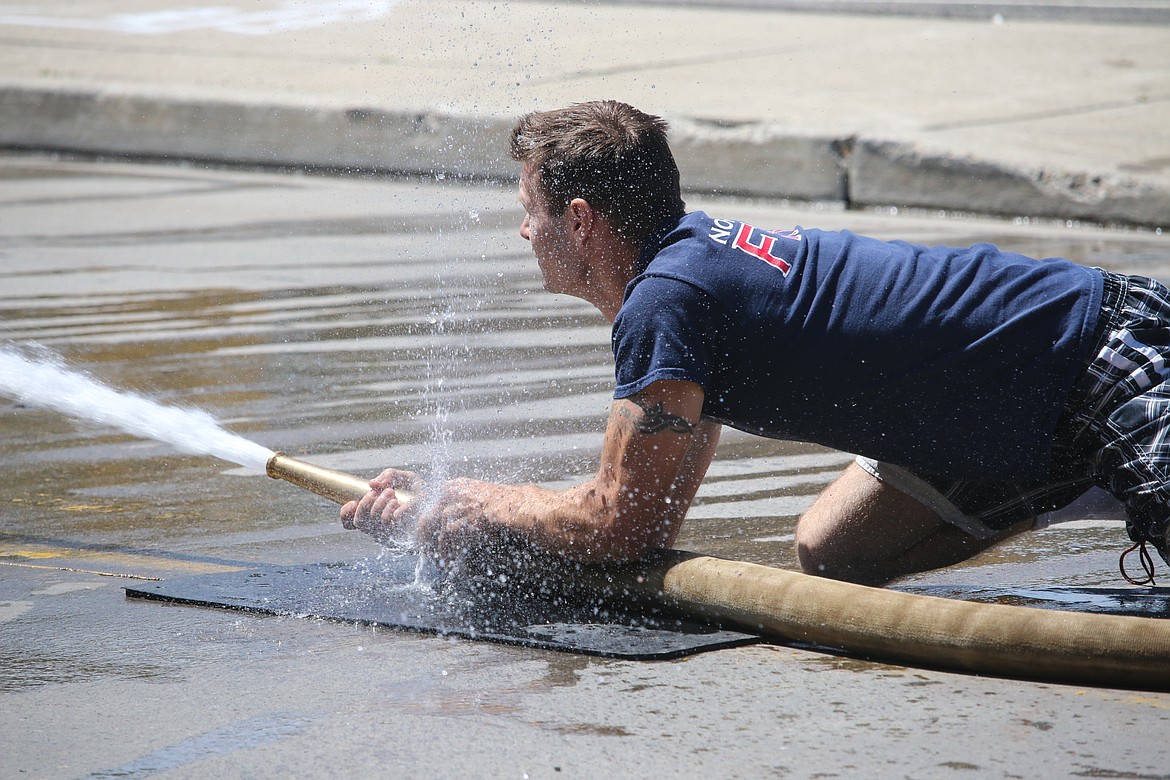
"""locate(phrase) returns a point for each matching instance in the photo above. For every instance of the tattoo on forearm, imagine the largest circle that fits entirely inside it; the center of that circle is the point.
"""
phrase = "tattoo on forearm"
(656, 419)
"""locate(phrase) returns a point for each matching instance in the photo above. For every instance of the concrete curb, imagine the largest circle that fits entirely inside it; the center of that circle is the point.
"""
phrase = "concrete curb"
(746, 159)
(249, 133)
(887, 172)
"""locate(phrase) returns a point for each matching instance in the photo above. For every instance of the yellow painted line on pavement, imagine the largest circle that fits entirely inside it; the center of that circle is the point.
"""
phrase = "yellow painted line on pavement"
(81, 571)
(21, 555)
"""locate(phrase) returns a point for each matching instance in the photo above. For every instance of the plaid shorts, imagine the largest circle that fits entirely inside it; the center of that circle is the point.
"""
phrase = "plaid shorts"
(1113, 433)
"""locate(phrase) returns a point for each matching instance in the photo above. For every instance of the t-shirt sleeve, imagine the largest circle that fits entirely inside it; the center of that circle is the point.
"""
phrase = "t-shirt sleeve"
(663, 332)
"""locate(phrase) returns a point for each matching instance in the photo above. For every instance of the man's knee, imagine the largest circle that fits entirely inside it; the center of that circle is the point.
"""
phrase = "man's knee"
(863, 530)
(829, 545)
(815, 551)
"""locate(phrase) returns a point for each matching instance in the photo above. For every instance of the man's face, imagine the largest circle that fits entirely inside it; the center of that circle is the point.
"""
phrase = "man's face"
(551, 236)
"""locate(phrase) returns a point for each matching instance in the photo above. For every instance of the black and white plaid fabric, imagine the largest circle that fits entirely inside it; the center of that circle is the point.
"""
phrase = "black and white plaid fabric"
(1120, 412)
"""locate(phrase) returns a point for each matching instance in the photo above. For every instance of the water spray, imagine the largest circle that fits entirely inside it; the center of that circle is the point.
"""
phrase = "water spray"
(47, 383)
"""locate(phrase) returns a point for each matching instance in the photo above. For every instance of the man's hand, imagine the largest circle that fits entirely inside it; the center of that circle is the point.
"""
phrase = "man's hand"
(444, 525)
(454, 524)
(380, 513)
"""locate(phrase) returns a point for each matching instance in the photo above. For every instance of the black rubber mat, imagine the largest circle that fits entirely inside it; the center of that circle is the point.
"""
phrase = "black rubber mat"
(388, 593)
(1139, 602)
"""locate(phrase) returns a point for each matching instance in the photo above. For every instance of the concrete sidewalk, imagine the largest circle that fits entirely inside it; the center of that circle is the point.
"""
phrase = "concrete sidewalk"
(1026, 118)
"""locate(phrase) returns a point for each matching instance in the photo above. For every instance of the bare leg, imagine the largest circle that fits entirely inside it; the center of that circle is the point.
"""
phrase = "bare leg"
(862, 530)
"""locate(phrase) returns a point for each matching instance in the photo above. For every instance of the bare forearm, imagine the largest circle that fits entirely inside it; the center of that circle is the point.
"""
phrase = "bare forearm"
(654, 456)
(582, 523)
(611, 517)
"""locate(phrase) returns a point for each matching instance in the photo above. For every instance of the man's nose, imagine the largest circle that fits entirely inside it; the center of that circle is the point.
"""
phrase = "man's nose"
(524, 230)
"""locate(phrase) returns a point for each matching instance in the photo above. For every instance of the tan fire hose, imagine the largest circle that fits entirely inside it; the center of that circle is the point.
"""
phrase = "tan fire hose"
(879, 624)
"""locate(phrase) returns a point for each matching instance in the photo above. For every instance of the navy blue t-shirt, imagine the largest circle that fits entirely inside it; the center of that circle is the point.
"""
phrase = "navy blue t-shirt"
(952, 362)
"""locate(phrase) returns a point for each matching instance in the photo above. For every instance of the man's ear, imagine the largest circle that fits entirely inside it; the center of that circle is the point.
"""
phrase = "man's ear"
(583, 217)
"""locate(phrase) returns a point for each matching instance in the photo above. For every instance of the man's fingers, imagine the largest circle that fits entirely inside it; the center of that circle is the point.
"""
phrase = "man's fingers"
(384, 505)
(380, 511)
(347, 513)
(373, 509)
(396, 479)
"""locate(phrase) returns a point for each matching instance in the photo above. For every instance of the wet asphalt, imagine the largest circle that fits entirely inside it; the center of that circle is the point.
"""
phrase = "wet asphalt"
(364, 322)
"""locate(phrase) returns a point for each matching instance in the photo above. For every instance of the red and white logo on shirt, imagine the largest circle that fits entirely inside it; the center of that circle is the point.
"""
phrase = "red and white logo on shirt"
(753, 241)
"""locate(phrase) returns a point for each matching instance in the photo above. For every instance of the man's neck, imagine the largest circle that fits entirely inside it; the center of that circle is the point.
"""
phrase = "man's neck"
(615, 267)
